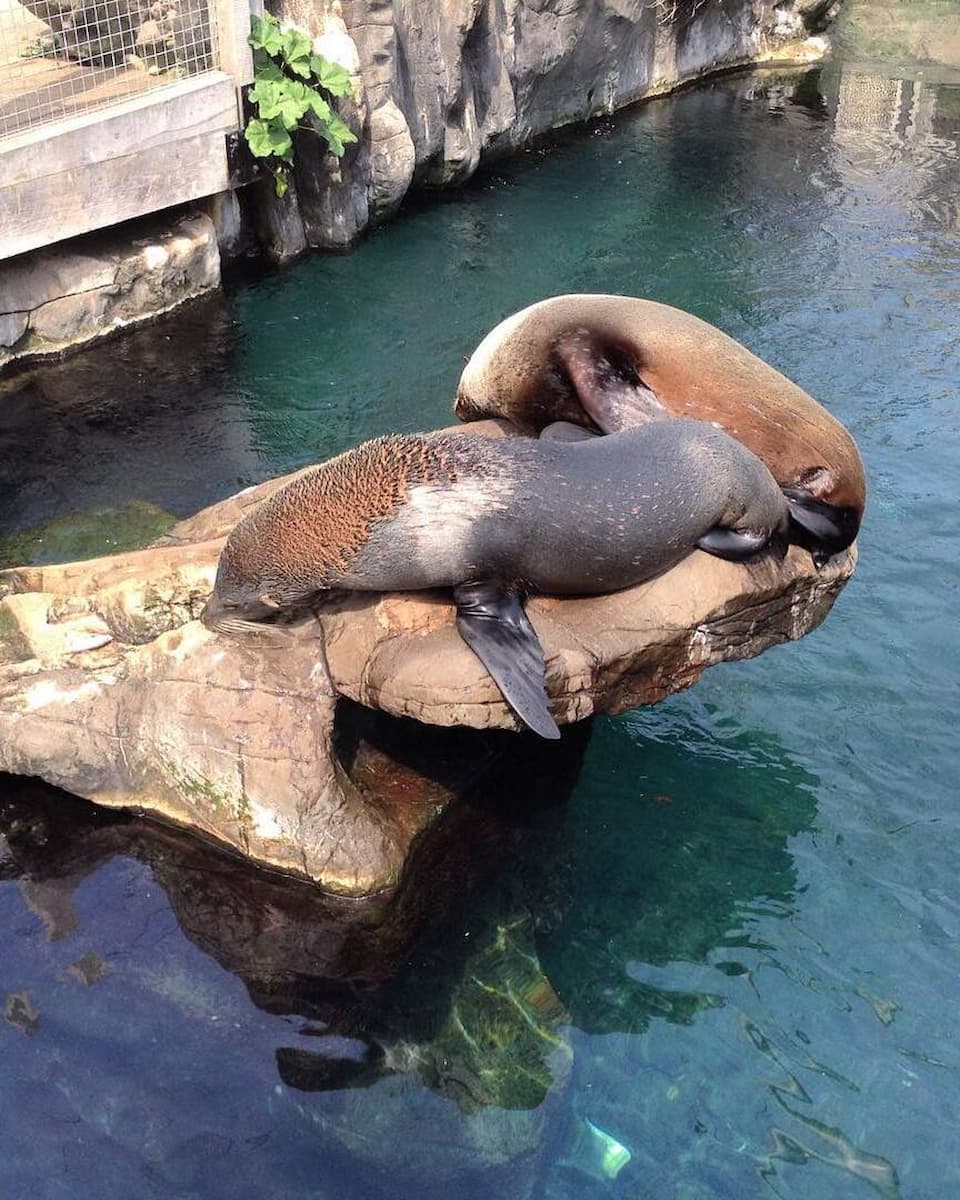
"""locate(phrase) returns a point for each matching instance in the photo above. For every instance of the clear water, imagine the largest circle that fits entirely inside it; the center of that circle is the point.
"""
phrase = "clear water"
(732, 945)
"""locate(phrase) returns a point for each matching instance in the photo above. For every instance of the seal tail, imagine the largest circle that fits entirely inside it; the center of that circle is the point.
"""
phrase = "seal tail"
(492, 622)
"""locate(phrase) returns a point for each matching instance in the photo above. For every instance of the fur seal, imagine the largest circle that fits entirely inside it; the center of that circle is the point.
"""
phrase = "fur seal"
(493, 519)
(610, 362)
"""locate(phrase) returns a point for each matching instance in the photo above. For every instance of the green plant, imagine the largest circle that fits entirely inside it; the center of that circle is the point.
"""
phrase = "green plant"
(291, 83)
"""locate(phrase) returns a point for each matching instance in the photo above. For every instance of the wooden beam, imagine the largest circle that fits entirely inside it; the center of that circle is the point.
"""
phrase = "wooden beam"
(233, 28)
(101, 168)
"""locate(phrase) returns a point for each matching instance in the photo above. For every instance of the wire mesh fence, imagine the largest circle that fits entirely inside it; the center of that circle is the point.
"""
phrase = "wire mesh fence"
(62, 57)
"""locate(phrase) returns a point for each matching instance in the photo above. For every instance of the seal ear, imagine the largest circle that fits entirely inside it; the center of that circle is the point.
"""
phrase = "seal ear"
(492, 622)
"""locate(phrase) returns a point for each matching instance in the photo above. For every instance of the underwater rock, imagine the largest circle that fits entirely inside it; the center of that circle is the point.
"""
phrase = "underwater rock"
(112, 689)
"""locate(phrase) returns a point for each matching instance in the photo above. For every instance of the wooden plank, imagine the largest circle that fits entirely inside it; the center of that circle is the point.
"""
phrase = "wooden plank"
(149, 121)
(233, 28)
(39, 211)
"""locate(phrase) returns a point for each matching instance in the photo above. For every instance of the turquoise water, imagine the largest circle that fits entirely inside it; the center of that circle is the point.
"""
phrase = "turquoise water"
(727, 929)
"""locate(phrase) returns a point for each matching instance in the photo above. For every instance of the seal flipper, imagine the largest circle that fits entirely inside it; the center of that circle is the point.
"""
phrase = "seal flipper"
(605, 381)
(492, 622)
(733, 544)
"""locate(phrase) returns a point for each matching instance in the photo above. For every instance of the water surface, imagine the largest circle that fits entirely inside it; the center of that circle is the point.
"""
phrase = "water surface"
(732, 948)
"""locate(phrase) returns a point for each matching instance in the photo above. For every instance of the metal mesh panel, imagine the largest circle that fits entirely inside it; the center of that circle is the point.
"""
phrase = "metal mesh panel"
(62, 57)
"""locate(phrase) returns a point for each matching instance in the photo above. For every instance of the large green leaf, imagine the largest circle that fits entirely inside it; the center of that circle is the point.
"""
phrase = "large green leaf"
(265, 34)
(319, 106)
(299, 66)
(264, 67)
(338, 134)
(331, 75)
(287, 100)
(265, 94)
(268, 137)
(296, 45)
(296, 99)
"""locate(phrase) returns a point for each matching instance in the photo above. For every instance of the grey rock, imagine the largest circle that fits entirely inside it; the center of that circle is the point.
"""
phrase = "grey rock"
(70, 293)
(277, 221)
(12, 328)
(392, 160)
(224, 211)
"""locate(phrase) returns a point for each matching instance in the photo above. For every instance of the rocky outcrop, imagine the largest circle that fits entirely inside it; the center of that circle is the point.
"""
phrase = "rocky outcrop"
(73, 292)
(111, 688)
(439, 87)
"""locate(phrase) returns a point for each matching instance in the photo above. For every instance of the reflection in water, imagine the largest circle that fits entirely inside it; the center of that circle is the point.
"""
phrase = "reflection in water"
(815, 1139)
(457, 995)
(147, 416)
(701, 848)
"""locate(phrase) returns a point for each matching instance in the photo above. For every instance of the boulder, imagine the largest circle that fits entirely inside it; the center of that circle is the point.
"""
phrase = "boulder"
(112, 689)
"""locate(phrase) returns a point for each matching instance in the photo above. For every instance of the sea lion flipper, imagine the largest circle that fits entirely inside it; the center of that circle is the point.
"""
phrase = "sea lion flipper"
(733, 544)
(605, 380)
(492, 622)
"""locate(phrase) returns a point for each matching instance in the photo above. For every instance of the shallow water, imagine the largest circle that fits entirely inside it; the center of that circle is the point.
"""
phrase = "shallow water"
(733, 947)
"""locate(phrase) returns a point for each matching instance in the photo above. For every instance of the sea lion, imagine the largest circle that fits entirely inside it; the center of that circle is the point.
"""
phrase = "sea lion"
(611, 362)
(493, 519)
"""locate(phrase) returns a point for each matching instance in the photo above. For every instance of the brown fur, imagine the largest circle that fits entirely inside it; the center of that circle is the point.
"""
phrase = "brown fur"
(692, 368)
(311, 529)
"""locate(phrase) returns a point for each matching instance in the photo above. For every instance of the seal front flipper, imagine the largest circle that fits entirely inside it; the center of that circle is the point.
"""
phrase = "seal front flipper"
(733, 544)
(605, 380)
(492, 622)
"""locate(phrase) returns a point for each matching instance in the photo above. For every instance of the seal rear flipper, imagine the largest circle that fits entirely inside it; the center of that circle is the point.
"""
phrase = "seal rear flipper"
(733, 544)
(492, 622)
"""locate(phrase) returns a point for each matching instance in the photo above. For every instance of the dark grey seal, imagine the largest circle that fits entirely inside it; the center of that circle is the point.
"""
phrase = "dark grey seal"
(494, 519)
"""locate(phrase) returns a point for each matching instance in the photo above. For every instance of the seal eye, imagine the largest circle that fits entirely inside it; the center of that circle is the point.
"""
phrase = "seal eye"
(818, 481)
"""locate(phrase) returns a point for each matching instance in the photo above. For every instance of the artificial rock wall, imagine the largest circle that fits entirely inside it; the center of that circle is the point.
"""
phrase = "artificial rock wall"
(438, 85)
(441, 85)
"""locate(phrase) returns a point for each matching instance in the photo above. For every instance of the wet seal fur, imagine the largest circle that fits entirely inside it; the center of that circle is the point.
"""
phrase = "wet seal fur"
(493, 519)
(611, 362)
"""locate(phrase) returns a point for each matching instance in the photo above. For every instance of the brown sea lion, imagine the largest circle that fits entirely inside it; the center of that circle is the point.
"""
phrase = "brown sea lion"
(492, 519)
(611, 362)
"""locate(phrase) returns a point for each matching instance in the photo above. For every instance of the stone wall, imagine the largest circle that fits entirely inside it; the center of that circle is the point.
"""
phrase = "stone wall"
(441, 86)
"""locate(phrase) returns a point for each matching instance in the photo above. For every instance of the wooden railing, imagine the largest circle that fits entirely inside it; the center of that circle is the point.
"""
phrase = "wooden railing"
(107, 134)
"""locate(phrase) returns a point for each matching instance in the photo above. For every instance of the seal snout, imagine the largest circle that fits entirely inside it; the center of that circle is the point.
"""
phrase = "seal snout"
(823, 529)
(222, 615)
(216, 612)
